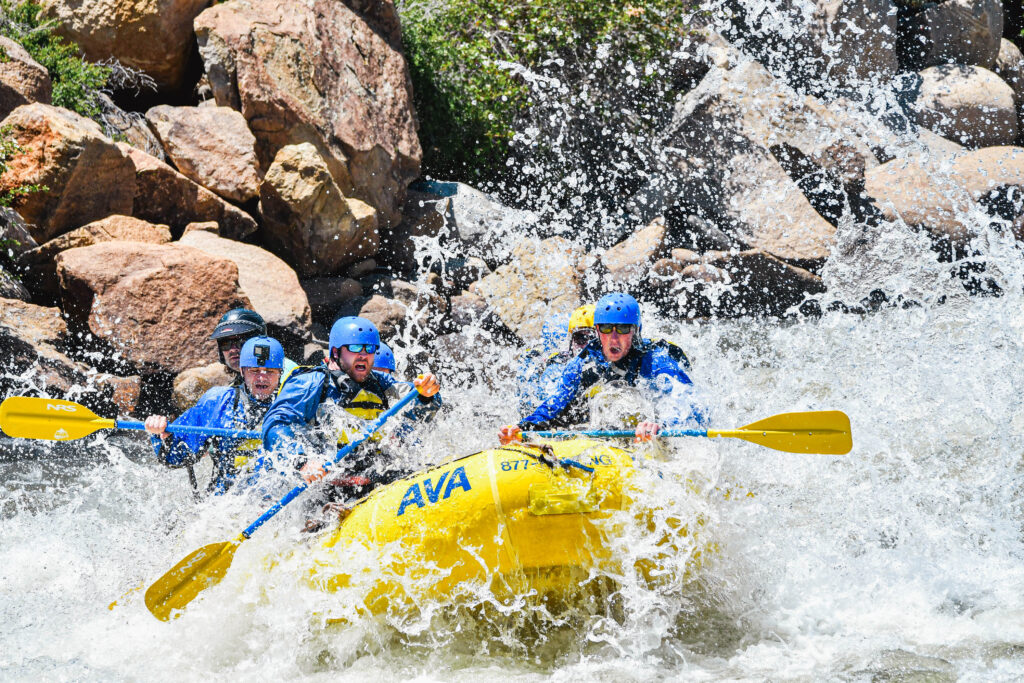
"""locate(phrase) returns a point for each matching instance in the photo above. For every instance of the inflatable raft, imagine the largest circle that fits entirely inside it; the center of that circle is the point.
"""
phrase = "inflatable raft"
(518, 520)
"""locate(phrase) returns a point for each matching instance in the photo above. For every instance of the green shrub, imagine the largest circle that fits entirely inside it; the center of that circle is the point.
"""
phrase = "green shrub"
(472, 61)
(76, 82)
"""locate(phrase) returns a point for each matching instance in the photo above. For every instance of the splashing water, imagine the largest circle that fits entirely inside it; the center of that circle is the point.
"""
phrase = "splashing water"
(901, 560)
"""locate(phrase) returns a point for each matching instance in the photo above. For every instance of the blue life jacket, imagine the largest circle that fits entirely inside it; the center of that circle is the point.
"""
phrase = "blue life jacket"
(654, 364)
(229, 407)
(297, 412)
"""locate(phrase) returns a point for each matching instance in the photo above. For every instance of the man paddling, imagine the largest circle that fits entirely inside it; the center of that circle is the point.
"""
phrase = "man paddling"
(239, 406)
(618, 354)
(313, 414)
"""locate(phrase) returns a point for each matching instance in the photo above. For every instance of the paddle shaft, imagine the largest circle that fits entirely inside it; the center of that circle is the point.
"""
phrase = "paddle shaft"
(187, 429)
(610, 433)
(366, 434)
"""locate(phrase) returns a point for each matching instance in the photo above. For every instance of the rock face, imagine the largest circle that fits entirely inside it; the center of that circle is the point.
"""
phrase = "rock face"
(938, 197)
(328, 294)
(88, 177)
(967, 104)
(31, 337)
(857, 40)
(630, 260)
(154, 303)
(11, 287)
(306, 218)
(154, 36)
(210, 145)
(163, 194)
(744, 283)
(41, 262)
(953, 32)
(318, 72)
(540, 281)
(130, 127)
(266, 280)
(473, 222)
(742, 118)
(1010, 67)
(193, 383)
(23, 80)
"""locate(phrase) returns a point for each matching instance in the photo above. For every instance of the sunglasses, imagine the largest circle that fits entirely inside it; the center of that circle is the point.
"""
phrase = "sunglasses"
(231, 343)
(621, 329)
(360, 348)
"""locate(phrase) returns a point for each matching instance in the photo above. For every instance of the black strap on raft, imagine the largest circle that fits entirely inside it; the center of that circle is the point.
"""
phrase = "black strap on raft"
(547, 457)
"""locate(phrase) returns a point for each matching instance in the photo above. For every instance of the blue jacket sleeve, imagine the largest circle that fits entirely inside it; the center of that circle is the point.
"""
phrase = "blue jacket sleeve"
(564, 392)
(295, 405)
(205, 413)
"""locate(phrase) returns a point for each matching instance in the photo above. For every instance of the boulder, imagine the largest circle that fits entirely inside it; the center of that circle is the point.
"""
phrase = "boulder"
(86, 175)
(32, 362)
(855, 41)
(154, 37)
(952, 32)
(967, 104)
(318, 72)
(129, 127)
(267, 281)
(191, 384)
(203, 226)
(423, 216)
(14, 233)
(164, 195)
(471, 310)
(825, 43)
(721, 161)
(1010, 68)
(210, 145)
(306, 218)
(541, 281)
(387, 314)
(23, 80)
(12, 288)
(629, 261)
(155, 304)
(471, 222)
(939, 197)
(328, 294)
(40, 263)
(744, 283)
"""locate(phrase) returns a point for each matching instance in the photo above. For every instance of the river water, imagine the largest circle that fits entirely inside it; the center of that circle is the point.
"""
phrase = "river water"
(901, 561)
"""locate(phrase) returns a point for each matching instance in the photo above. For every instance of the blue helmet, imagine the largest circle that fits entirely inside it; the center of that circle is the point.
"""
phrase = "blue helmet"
(353, 330)
(385, 358)
(262, 352)
(617, 309)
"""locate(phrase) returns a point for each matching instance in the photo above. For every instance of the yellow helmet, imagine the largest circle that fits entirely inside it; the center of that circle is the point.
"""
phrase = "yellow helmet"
(581, 317)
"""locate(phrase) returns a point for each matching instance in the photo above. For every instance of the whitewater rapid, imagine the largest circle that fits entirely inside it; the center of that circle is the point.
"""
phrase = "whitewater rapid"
(904, 556)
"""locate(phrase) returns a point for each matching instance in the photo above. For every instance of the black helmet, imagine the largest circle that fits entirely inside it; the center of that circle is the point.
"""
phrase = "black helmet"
(239, 321)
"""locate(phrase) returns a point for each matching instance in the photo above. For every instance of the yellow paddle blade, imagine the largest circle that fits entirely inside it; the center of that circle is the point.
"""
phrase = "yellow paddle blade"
(823, 431)
(190, 577)
(27, 417)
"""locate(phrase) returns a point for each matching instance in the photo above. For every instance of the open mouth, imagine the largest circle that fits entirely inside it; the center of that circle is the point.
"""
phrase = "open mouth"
(360, 366)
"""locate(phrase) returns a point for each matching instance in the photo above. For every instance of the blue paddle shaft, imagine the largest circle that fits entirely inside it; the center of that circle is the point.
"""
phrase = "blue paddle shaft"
(616, 433)
(186, 429)
(369, 431)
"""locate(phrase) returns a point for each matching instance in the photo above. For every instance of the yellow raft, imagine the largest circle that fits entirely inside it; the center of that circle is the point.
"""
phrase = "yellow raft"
(518, 520)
